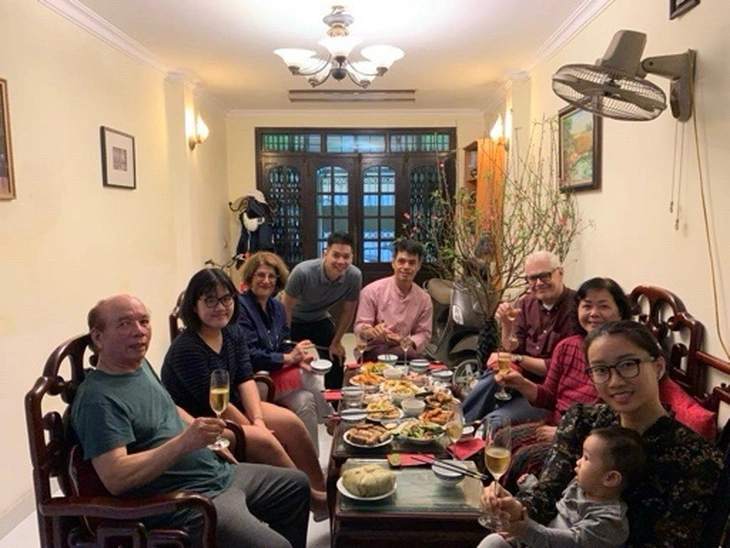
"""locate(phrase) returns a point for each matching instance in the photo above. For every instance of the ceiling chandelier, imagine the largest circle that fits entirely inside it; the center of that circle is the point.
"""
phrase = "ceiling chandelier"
(339, 44)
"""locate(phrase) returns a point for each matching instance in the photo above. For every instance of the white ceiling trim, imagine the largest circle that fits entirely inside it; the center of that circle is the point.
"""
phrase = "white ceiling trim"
(88, 20)
(249, 113)
(585, 13)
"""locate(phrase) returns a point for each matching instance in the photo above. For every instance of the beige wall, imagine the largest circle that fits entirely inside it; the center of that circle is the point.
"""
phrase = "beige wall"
(67, 241)
(634, 239)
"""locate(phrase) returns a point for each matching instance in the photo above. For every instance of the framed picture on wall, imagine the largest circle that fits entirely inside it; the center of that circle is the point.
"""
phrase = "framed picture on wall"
(680, 7)
(579, 149)
(117, 159)
(7, 181)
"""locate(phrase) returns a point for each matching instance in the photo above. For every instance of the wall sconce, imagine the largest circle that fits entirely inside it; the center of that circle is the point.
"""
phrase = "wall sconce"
(200, 135)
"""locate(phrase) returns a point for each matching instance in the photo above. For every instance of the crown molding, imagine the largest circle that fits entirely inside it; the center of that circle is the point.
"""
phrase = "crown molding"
(253, 113)
(586, 12)
(92, 23)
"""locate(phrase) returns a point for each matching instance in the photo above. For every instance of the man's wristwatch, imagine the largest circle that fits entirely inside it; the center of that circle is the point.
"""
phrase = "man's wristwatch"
(517, 358)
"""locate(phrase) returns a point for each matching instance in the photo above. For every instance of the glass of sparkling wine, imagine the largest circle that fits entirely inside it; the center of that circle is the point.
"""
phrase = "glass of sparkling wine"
(512, 312)
(497, 456)
(219, 393)
(405, 344)
(504, 359)
(455, 426)
(361, 344)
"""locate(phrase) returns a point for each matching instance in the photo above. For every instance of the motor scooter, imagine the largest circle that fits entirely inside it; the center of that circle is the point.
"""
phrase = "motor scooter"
(457, 320)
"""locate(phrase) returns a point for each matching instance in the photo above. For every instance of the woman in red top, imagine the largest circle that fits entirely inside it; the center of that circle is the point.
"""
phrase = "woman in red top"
(599, 300)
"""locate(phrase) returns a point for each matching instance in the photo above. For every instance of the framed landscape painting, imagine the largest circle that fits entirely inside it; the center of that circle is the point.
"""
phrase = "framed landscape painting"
(579, 149)
(7, 182)
(117, 159)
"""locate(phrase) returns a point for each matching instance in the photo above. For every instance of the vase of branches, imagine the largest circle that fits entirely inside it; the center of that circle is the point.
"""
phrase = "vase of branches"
(484, 250)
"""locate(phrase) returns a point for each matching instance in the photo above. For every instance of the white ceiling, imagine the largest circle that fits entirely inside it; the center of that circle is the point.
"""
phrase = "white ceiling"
(458, 52)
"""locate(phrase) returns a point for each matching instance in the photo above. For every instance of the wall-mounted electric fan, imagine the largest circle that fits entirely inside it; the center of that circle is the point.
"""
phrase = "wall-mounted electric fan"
(615, 86)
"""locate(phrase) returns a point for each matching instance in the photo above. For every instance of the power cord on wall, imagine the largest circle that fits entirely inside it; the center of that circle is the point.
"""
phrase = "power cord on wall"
(715, 299)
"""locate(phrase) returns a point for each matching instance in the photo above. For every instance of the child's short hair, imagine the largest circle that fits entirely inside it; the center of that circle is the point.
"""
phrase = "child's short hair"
(626, 450)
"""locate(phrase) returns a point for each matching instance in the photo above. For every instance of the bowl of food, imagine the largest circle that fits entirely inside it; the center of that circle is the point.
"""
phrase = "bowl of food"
(419, 365)
(448, 472)
(352, 396)
(392, 373)
(321, 366)
(412, 407)
(388, 359)
(443, 375)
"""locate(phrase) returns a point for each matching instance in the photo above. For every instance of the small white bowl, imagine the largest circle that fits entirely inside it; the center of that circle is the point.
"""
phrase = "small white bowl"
(389, 359)
(443, 375)
(412, 407)
(418, 365)
(321, 366)
(392, 373)
(447, 476)
(467, 432)
(352, 396)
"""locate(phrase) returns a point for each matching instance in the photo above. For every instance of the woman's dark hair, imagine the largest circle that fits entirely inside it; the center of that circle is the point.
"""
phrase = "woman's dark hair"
(269, 259)
(634, 332)
(626, 451)
(204, 283)
(625, 308)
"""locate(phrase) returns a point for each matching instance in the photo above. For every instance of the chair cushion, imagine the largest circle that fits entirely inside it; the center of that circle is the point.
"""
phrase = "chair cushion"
(687, 411)
(287, 379)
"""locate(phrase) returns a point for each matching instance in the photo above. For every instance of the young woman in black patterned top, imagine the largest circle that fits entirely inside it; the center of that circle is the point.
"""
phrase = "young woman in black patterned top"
(669, 506)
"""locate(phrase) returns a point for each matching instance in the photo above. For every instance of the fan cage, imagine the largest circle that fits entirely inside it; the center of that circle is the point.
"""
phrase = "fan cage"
(606, 103)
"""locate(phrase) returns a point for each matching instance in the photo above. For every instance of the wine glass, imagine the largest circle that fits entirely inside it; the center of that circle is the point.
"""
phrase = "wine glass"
(497, 456)
(219, 393)
(405, 344)
(454, 427)
(361, 344)
(512, 312)
(504, 361)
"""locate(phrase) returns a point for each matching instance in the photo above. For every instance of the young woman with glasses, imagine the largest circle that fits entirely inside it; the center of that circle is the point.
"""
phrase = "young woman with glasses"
(213, 340)
(670, 504)
(263, 319)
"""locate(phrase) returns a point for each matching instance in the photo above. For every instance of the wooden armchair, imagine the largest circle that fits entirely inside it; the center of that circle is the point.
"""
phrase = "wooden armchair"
(84, 514)
(262, 378)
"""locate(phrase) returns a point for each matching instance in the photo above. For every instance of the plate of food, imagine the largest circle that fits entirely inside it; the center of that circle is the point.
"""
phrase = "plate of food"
(418, 432)
(383, 410)
(369, 482)
(438, 415)
(368, 436)
(374, 367)
(366, 378)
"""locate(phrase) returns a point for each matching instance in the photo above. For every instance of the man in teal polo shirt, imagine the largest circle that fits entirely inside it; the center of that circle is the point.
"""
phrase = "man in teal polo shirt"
(141, 444)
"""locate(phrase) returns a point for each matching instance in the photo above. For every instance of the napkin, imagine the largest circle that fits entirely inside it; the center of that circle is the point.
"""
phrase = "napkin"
(332, 394)
(464, 449)
(436, 366)
(353, 365)
(410, 459)
(286, 379)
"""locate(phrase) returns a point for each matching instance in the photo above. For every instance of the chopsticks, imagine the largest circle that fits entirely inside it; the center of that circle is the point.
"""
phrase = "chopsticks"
(453, 467)
(289, 341)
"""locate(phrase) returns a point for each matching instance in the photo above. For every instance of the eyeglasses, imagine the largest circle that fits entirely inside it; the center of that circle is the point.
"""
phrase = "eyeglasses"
(212, 302)
(628, 368)
(261, 276)
(544, 277)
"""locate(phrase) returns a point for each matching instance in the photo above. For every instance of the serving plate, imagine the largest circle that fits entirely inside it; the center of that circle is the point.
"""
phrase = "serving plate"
(346, 437)
(342, 489)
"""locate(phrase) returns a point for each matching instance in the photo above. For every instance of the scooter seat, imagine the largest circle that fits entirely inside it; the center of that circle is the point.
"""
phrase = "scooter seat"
(440, 290)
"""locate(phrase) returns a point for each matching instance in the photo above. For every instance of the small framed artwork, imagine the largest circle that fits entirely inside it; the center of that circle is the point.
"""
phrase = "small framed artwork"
(7, 182)
(117, 159)
(579, 149)
(680, 7)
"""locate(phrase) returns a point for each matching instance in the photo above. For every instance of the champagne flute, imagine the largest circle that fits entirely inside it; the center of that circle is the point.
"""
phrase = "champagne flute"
(405, 344)
(219, 393)
(497, 456)
(512, 312)
(504, 361)
(455, 425)
(361, 344)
